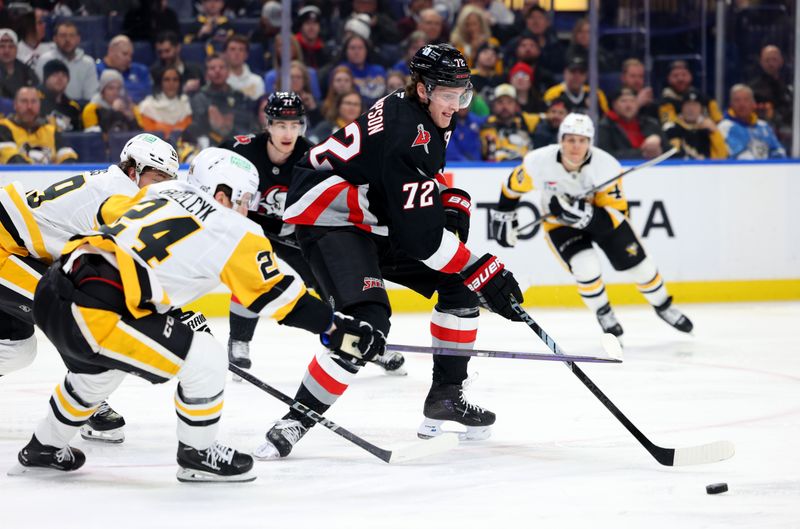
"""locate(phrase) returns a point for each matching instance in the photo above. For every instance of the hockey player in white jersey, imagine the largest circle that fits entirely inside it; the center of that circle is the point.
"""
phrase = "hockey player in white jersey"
(105, 303)
(35, 226)
(565, 173)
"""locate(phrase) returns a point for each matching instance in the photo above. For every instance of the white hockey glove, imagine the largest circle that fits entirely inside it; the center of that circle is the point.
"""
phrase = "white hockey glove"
(503, 227)
(577, 214)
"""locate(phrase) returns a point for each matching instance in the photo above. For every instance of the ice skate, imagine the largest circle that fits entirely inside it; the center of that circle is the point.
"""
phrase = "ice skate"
(281, 438)
(239, 355)
(674, 317)
(216, 463)
(608, 321)
(446, 402)
(105, 425)
(392, 363)
(38, 457)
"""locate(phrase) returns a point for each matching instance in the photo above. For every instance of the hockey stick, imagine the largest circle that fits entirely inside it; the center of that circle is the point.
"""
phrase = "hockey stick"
(447, 351)
(598, 187)
(692, 455)
(416, 450)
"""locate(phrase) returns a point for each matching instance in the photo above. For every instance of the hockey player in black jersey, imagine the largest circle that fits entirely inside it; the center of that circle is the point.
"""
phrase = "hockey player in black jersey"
(367, 206)
(274, 153)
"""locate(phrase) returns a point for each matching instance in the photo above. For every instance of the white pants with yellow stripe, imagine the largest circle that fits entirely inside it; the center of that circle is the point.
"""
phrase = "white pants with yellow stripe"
(198, 397)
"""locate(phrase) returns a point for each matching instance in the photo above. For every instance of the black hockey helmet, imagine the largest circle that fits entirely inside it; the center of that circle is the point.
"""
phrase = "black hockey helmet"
(285, 106)
(442, 65)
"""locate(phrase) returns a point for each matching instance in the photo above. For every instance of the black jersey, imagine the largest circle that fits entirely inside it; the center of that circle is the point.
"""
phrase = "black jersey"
(379, 174)
(273, 180)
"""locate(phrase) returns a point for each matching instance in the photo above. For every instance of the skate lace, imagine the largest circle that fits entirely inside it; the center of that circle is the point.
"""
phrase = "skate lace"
(291, 430)
(216, 453)
(468, 406)
(607, 320)
(65, 454)
(103, 408)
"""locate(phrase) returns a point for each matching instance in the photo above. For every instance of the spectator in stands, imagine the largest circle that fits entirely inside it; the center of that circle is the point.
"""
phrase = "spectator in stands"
(211, 25)
(300, 84)
(167, 110)
(527, 50)
(83, 83)
(168, 51)
(269, 25)
(395, 80)
(150, 19)
(546, 131)
(240, 77)
(633, 77)
(432, 24)
(370, 78)
(411, 45)
(120, 57)
(575, 90)
(383, 29)
(747, 137)
(13, 73)
(772, 87)
(111, 109)
(471, 32)
(217, 109)
(625, 134)
(694, 134)
(484, 73)
(25, 137)
(498, 13)
(506, 135)
(679, 81)
(409, 23)
(465, 142)
(529, 98)
(341, 82)
(346, 109)
(31, 29)
(57, 107)
(315, 53)
(537, 24)
(579, 46)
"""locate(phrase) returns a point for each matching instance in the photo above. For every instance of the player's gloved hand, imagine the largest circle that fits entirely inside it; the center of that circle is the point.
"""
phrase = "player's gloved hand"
(196, 321)
(503, 227)
(457, 204)
(353, 337)
(494, 285)
(575, 213)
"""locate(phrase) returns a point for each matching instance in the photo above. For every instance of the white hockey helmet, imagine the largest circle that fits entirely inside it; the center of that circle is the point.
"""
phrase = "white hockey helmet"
(213, 167)
(579, 124)
(147, 150)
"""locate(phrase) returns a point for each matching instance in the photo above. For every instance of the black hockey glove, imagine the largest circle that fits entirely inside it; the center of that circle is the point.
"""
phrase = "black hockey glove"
(503, 227)
(494, 285)
(576, 213)
(196, 321)
(353, 337)
(457, 204)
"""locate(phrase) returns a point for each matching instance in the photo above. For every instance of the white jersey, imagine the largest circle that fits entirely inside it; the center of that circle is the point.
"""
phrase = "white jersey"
(174, 243)
(39, 223)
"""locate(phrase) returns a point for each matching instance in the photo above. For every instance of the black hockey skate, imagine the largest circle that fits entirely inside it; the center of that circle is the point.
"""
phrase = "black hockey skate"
(673, 316)
(105, 425)
(281, 438)
(608, 320)
(392, 363)
(35, 455)
(446, 402)
(215, 463)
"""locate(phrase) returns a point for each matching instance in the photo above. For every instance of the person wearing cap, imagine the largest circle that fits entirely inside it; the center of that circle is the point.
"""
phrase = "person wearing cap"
(506, 135)
(57, 106)
(210, 26)
(694, 134)
(14, 74)
(521, 78)
(546, 131)
(240, 77)
(679, 80)
(315, 53)
(25, 137)
(747, 137)
(83, 81)
(575, 89)
(484, 72)
(110, 109)
(119, 57)
(625, 134)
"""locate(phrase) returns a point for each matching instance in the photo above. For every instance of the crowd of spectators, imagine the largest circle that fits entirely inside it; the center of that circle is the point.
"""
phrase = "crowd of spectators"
(197, 73)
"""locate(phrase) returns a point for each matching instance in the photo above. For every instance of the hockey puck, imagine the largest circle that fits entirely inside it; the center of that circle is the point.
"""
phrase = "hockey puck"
(717, 488)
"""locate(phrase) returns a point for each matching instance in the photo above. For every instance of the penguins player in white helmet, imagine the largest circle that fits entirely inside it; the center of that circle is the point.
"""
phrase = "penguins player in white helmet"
(105, 305)
(35, 226)
(565, 173)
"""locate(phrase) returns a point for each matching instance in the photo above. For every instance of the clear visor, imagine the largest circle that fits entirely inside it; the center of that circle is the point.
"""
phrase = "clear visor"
(449, 96)
(247, 201)
(287, 128)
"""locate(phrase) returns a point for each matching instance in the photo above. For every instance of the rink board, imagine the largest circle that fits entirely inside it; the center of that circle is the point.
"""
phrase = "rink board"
(717, 232)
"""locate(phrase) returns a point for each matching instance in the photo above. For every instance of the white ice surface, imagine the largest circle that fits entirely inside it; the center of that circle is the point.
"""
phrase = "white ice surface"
(557, 457)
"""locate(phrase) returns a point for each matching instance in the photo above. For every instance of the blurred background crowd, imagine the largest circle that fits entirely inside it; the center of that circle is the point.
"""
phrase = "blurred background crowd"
(79, 78)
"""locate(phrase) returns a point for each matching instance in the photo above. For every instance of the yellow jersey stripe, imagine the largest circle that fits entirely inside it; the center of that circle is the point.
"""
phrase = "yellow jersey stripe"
(23, 277)
(286, 309)
(30, 223)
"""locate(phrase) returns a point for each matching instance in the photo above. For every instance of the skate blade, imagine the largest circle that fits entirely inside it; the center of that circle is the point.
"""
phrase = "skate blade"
(266, 452)
(432, 429)
(436, 445)
(191, 475)
(43, 472)
(611, 345)
(115, 436)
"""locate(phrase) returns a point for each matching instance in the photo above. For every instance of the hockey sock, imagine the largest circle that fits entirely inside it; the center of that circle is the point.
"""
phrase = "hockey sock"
(243, 322)
(457, 329)
(326, 379)
(585, 267)
(649, 282)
